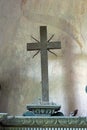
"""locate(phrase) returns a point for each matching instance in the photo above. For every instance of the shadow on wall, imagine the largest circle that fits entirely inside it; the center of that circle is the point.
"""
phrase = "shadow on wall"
(16, 91)
(8, 81)
(4, 95)
(69, 85)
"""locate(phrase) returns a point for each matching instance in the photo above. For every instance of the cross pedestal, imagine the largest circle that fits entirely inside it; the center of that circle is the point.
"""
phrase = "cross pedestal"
(40, 110)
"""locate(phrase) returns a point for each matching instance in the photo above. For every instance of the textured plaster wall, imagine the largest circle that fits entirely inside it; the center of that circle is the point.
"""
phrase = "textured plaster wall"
(20, 75)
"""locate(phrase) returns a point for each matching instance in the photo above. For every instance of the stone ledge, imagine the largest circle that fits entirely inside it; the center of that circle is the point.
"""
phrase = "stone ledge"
(3, 116)
(38, 121)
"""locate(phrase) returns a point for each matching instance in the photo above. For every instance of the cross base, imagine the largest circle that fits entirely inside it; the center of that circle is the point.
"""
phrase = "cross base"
(43, 109)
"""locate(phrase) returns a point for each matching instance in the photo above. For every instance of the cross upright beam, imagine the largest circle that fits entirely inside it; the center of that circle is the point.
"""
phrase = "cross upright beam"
(43, 46)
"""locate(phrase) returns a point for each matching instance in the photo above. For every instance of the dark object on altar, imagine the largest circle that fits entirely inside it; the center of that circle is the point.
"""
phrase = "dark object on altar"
(28, 113)
(74, 113)
(57, 113)
(86, 88)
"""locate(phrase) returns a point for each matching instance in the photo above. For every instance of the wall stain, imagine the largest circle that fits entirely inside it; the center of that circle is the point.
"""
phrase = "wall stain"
(60, 22)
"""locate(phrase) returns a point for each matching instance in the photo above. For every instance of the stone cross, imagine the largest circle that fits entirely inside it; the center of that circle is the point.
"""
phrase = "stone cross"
(43, 46)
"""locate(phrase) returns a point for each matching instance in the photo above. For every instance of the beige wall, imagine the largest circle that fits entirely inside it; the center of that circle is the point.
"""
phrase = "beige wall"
(20, 75)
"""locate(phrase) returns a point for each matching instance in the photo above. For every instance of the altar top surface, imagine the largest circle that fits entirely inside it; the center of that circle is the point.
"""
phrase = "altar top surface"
(43, 106)
(43, 109)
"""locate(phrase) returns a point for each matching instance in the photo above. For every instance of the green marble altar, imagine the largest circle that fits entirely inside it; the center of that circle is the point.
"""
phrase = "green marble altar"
(23, 123)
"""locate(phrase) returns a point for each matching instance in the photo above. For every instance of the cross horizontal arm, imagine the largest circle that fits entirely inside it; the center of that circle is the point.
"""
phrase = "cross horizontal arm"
(33, 46)
(54, 45)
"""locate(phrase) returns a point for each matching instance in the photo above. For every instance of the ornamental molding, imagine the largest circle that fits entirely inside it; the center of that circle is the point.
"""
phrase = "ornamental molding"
(36, 121)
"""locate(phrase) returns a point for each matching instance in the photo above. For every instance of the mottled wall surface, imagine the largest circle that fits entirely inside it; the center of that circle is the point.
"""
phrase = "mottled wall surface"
(20, 75)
